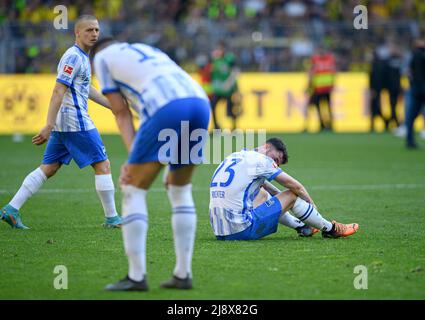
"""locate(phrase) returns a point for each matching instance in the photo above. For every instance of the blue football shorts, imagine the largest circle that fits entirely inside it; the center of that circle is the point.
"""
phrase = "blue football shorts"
(166, 136)
(85, 147)
(265, 220)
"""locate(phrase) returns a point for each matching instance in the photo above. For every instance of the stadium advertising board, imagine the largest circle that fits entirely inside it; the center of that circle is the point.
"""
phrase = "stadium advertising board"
(275, 102)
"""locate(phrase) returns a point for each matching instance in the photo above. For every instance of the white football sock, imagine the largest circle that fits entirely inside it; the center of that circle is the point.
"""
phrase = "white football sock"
(31, 184)
(134, 230)
(290, 221)
(106, 191)
(309, 215)
(184, 227)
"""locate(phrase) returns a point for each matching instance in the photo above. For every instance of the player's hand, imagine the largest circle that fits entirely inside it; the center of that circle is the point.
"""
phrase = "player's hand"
(42, 136)
(125, 177)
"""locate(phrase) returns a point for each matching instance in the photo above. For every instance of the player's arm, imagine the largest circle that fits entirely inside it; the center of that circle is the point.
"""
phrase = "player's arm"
(270, 188)
(99, 98)
(54, 106)
(295, 186)
(231, 80)
(123, 117)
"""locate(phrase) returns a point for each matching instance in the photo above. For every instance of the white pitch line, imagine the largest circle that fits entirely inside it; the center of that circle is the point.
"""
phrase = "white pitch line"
(369, 186)
(313, 187)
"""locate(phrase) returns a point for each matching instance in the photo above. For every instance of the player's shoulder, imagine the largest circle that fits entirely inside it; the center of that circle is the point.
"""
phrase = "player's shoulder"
(234, 155)
(251, 157)
(144, 47)
(141, 45)
(150, 50)
(71, 56)
(113, 51)
(114, 47)
(261, 158)
(255, 154)
(70, 52)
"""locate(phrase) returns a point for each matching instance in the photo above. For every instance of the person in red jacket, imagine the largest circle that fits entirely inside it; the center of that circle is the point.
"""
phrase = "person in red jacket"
(321, 84)
(204, 71)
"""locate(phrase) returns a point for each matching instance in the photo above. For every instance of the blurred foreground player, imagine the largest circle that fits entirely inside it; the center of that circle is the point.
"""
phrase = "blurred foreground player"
(169, 103)
(70, 132)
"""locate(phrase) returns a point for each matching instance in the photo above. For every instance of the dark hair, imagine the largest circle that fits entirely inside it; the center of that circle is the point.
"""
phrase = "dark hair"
(280, 146)
(99, 44)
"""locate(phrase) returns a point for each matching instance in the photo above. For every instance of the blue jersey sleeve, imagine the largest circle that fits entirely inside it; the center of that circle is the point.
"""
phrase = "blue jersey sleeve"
(68, 69)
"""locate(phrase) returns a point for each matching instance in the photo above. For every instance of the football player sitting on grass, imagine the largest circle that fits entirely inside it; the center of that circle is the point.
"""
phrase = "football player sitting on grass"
(240, 208)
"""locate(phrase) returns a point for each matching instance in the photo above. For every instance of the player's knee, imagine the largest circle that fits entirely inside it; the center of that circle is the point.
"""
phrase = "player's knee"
(129, 179)
(182, 176)
(50, 170)
(103, 167)
(180, 195)
(287, 197)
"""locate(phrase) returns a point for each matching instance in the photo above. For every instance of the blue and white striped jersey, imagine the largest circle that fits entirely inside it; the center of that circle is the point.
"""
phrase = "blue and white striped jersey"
(233, 188)
(145, 75)
(75, 72)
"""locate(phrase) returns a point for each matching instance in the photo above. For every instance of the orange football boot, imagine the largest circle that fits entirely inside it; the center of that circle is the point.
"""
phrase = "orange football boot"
(341, 230)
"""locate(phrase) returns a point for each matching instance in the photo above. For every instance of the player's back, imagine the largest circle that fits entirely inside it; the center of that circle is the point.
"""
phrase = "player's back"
(230, 180)
(145, 75)
(233, 188)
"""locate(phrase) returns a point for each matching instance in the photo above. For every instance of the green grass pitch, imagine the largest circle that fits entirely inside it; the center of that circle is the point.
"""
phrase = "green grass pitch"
(369, 179)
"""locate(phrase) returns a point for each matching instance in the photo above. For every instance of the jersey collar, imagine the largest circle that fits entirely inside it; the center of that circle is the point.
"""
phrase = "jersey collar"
(86, 54)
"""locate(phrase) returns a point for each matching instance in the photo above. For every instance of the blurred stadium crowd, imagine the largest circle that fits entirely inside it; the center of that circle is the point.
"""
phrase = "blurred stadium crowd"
(265, 35)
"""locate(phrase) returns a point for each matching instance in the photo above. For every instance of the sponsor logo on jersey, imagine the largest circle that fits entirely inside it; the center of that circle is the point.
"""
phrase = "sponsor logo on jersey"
(68, 69)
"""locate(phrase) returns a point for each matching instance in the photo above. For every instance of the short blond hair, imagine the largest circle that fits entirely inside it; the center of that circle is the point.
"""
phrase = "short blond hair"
(82, 18)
